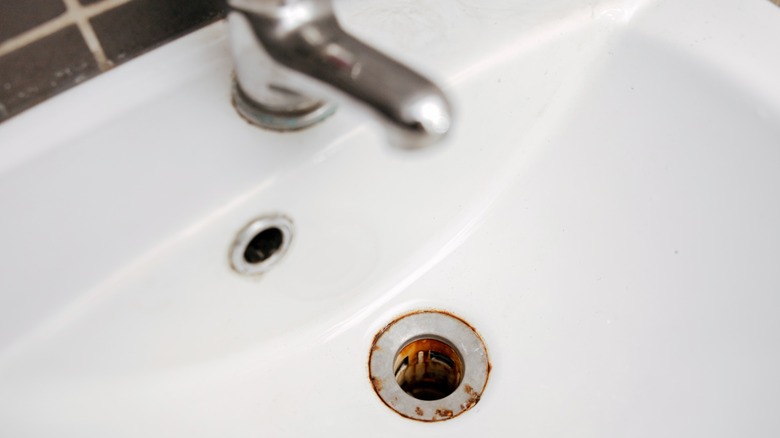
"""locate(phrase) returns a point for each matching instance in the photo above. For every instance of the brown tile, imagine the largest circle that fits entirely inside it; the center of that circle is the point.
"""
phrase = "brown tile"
(43, 68)
(18, 16)
(140, 25)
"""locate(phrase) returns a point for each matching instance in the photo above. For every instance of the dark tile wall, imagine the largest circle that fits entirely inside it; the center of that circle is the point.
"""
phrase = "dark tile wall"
(18, 16)
(42, 68)
(44, 52)
(142, 30)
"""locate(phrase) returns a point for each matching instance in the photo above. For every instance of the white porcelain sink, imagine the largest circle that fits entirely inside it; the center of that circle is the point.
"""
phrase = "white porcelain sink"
(605, 214)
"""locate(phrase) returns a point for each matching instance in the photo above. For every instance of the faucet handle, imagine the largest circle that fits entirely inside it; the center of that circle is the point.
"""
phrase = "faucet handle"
(294, 62)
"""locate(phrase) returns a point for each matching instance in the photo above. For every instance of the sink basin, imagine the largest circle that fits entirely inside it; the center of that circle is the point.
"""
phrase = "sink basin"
(604, 214)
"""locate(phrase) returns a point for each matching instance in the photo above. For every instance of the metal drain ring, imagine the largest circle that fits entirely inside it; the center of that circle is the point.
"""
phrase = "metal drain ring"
(429, 324)
(250, 231)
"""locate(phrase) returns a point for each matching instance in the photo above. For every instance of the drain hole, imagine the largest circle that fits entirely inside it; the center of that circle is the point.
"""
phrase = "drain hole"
(264, 245)
(428, 369)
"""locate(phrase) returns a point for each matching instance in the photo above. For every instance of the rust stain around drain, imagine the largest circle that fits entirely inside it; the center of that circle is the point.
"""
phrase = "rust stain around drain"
(444, 413)
(377, 384)
(440, 414)
(474, 397)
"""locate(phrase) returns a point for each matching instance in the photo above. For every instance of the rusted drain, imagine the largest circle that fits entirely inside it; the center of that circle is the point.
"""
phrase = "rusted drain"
(428, 369)
(429, 365)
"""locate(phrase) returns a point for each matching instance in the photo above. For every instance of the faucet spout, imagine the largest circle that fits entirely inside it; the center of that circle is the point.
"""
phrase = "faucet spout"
(294, 62)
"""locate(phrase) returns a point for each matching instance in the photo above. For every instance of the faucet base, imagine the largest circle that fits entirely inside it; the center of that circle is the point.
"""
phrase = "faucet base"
(269, 118)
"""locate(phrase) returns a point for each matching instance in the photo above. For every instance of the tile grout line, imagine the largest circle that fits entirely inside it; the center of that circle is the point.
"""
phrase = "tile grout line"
(34, 34)
(56, 24)
(75, 10)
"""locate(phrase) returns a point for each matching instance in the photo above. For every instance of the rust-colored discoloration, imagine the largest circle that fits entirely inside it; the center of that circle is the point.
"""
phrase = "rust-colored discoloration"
(474, 397)
(440, 414)
(377, 384)
(444, 413)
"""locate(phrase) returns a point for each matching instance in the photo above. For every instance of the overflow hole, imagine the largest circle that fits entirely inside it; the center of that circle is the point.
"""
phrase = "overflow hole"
(264, 245)
(261, 244)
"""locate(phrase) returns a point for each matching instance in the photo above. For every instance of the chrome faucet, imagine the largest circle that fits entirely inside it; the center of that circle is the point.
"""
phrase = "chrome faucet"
(294, 63)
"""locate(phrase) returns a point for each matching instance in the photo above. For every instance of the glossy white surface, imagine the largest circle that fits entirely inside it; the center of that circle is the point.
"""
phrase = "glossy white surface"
(605, 215)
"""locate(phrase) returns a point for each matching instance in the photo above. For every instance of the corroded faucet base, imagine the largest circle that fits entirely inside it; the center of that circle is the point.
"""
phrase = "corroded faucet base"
(265, 117)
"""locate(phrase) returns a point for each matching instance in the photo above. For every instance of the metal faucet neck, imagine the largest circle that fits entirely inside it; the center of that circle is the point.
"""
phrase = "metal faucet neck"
(294, 64)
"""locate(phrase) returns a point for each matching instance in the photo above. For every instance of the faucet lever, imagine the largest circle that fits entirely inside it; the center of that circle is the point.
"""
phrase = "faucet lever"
(294, 63)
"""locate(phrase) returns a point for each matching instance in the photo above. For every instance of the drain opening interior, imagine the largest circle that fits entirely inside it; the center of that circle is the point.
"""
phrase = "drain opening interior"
(428, 369)
(264, 245)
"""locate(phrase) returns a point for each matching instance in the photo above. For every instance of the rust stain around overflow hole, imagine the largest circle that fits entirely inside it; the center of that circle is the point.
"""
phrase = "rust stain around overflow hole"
(419, 411)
